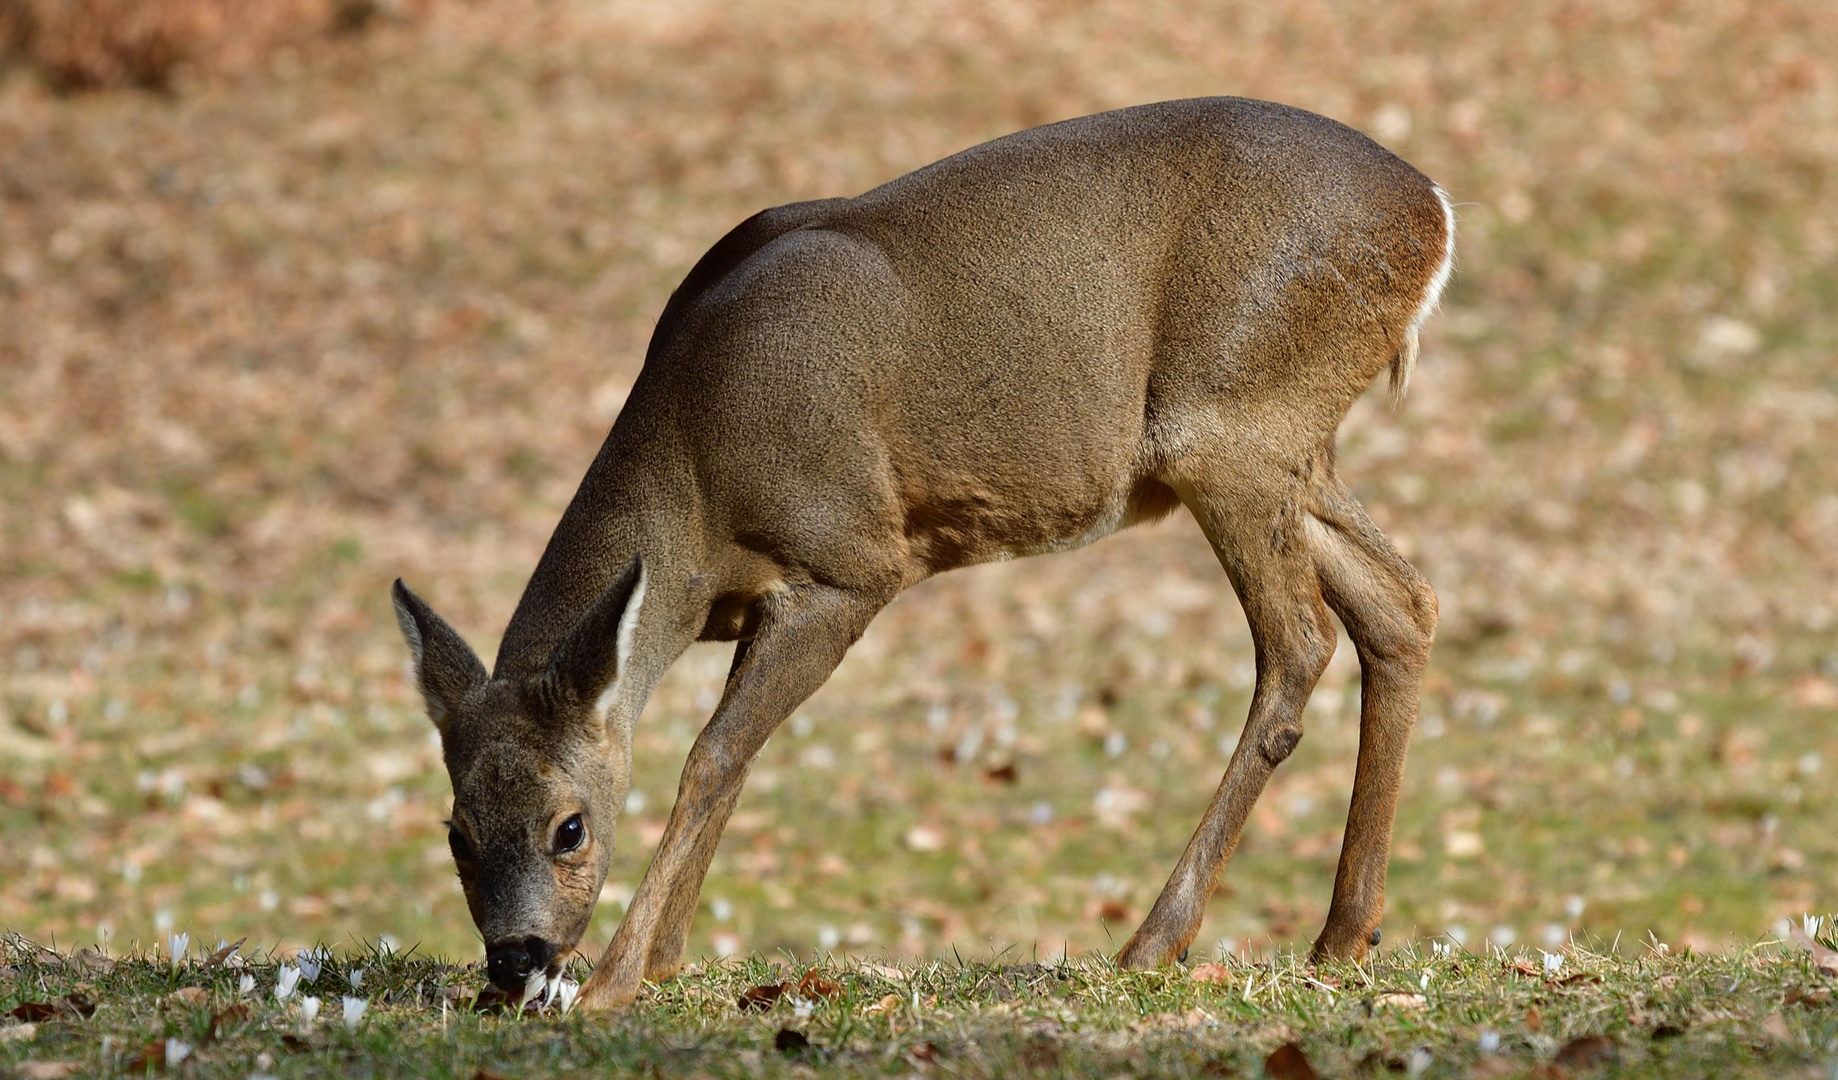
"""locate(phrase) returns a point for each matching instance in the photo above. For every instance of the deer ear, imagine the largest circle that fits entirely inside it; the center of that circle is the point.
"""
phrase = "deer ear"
(588, 663)
(446, 668)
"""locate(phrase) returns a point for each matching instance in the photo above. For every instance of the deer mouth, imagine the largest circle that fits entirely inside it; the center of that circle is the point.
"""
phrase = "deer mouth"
(511, 964)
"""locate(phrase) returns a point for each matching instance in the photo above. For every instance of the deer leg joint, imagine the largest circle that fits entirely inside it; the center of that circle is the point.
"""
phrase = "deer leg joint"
(1279, 743)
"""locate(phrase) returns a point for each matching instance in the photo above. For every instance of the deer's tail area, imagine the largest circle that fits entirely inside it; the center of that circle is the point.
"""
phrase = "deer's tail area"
(1405, 361)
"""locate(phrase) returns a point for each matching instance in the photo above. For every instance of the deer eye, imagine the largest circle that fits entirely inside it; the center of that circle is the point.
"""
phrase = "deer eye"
(456, 842)
(569, 834)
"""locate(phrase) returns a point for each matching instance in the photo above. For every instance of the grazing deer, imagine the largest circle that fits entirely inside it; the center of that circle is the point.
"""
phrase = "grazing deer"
(1019, 349)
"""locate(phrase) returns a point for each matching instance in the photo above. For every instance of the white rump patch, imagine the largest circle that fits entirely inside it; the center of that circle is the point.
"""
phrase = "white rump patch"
(1406, 360)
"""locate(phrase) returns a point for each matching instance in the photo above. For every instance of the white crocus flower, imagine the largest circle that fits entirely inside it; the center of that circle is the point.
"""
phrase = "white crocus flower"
(354, 1011)
(309, 1009)
(245, 984)
(177, 1050)
(562, 992)
(355, 978)
(1553, 963)
(176, 945)
(309, 961)
(534, 988)
(286, 977)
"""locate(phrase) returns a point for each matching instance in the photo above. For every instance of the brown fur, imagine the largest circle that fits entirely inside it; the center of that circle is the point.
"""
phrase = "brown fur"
(1019, 349)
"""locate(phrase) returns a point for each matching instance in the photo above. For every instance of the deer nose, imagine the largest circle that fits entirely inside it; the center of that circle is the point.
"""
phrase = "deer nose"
(510, 963)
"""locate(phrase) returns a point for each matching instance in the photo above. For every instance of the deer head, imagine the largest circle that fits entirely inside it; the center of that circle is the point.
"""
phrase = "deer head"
(540, 770)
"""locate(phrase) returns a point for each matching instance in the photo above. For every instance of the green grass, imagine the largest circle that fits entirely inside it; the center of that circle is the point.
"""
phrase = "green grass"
(1763, 1010)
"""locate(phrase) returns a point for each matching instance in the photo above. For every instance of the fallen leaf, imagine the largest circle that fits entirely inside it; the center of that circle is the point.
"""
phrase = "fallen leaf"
(1401, 1000)
(33, 1012)
(885, 1005)
(1808, 998)
(1004, 773)
(790, 1041)
(813, 985)
(235, 1014)
(1775, 1027)
(762, 997)
(296, 1043)
(192, 996)
(1585, 1052)
(1288, 1062)
(44, 1070)
(1211, 973)
(1826, 960)
(888, 972)
(1115, 911)
(1526, 968)
(152, 1057)
(93, 961)
(18, 1033)
(222, 956)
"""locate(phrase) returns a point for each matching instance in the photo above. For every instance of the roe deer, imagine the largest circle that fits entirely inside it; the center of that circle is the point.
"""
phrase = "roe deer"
(1019, 349)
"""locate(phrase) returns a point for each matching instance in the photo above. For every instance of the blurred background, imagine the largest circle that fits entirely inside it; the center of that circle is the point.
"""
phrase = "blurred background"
(299, 296)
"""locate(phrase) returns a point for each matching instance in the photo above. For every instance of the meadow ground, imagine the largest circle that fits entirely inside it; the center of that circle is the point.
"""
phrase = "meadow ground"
(286, 329)
(1433, 1013)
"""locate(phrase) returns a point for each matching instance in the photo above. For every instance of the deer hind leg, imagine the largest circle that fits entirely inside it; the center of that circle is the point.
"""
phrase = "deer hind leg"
(1256, 531)
(801, 639)
(1390, 613)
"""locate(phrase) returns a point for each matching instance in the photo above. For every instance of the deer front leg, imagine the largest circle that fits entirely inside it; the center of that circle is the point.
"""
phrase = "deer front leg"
(1294, 638)
(802, 638)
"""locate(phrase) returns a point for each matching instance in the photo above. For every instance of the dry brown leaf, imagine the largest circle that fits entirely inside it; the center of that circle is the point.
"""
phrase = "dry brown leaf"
(813, 985)
(191, 996)
(886, 971)
(93, 961)
(1211, 973)
(761, 997)
(885, 1005)
(1775, 1027)
(1585, 1052)
(153, 1056)
(235, 1014)
(222, 956)
(1287, 1062)
(1399, 999)
(1809, 998)
(33, 1012)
